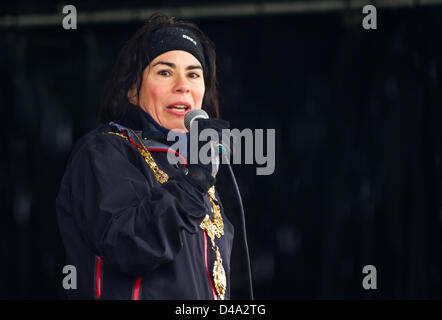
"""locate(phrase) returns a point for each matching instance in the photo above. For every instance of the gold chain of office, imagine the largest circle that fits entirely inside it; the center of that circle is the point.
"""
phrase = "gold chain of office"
(213, 228)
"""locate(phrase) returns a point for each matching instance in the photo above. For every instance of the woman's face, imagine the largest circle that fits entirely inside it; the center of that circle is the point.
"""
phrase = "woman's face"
(172, 85)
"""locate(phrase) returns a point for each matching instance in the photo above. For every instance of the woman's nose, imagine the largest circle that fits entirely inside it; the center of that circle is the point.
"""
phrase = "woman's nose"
(182, 85)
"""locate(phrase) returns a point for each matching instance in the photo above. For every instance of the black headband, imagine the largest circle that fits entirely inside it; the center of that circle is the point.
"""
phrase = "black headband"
(175, 38)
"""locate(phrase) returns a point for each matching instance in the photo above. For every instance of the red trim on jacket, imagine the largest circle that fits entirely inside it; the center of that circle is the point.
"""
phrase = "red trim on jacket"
(137, 289)
(98, 279)
(153, 149)
(168, 150)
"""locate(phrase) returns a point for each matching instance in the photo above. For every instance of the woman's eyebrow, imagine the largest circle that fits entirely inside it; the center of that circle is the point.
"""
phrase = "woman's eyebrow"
(173, 66)
(170, 64)
(194, 67)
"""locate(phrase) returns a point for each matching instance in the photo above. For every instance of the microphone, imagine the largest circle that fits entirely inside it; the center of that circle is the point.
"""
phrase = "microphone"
(193, 115)
(197, 114)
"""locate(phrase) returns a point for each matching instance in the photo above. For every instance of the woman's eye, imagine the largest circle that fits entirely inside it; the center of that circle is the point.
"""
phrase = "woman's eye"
(163, 73)
(194, 75)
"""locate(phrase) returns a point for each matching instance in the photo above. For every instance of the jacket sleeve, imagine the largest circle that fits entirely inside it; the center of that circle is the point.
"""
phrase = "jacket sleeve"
(133, 224)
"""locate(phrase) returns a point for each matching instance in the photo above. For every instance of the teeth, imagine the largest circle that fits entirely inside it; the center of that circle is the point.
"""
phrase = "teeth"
(179, 106)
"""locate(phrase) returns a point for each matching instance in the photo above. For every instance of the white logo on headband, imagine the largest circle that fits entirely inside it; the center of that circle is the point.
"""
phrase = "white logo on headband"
(189, 38)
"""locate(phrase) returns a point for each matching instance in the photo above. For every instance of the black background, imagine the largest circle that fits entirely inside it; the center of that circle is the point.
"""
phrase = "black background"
(358, 145)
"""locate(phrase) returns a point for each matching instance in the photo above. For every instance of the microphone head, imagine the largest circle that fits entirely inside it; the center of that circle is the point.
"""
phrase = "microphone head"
(194, 115)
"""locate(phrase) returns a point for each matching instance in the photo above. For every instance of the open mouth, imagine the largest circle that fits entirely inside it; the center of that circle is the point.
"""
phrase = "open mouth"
(179, 107)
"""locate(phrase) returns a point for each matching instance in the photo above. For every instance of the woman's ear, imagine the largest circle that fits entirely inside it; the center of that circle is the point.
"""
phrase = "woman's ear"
(132, 95)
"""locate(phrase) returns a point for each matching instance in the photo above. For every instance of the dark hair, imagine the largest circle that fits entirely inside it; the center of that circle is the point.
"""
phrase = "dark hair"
(128, 70)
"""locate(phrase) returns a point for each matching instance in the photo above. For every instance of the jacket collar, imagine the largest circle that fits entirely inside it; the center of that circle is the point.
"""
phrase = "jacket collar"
(142, 123)
(138, 120)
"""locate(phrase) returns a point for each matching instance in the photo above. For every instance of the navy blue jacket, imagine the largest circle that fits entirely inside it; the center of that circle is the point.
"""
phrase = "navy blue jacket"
(128, 236)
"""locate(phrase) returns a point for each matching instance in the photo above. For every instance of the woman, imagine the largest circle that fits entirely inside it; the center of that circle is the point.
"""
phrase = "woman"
(133, 225)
